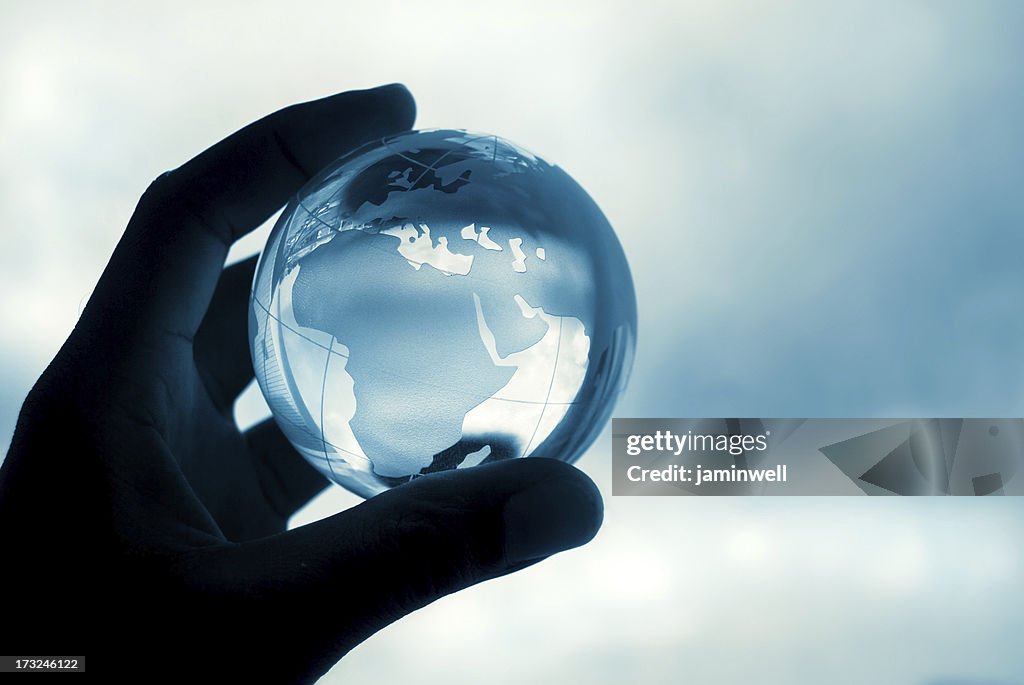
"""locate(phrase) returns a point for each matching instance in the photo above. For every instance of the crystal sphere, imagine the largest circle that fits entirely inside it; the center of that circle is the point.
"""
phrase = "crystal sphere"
(436, 300)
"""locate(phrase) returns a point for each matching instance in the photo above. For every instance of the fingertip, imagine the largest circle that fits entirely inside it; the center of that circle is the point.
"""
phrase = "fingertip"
(316, 133)
(393, 105)
(402, 103)
(509, 513)
(559, 511)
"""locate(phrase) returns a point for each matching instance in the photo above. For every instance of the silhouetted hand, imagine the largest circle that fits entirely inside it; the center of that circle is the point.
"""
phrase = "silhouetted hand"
(141, 528)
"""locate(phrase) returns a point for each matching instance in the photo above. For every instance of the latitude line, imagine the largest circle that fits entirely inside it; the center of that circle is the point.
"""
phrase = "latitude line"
(417, 381)
(301, 335)
(337, 230)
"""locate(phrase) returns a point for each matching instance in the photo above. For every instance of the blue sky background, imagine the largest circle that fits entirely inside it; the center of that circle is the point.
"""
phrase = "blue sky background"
(822, 204)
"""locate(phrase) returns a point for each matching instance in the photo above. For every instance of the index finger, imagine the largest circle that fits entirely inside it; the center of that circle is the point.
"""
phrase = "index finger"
(165, 268)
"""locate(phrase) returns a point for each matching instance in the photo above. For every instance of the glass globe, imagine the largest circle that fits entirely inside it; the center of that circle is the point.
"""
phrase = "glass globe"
(437, 300)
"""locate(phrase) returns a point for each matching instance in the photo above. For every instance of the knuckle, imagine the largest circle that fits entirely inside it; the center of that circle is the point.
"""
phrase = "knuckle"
(157, 200)
(182, 195)
(415, 529)
(449, 543)
(161, 189)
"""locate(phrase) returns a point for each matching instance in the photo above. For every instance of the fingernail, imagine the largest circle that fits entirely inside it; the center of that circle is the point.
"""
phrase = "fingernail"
(400, 103)
(396, 86)
(392, 91)
(550, 516)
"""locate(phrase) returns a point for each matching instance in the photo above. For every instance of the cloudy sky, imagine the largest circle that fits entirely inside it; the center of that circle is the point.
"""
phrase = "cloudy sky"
(822, 206)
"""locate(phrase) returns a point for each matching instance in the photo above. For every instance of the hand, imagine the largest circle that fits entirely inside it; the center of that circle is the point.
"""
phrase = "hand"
(142, 529)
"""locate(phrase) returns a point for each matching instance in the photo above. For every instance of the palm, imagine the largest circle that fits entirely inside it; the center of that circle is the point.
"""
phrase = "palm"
(228, 479)
(235, 487)
(247, 494)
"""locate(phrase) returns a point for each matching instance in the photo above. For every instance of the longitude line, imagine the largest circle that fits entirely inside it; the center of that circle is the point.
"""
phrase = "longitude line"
(323, 393)
(304, 337)
(551, 384)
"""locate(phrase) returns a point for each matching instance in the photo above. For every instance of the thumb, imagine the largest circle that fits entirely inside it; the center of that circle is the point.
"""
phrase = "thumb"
(315, 592)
